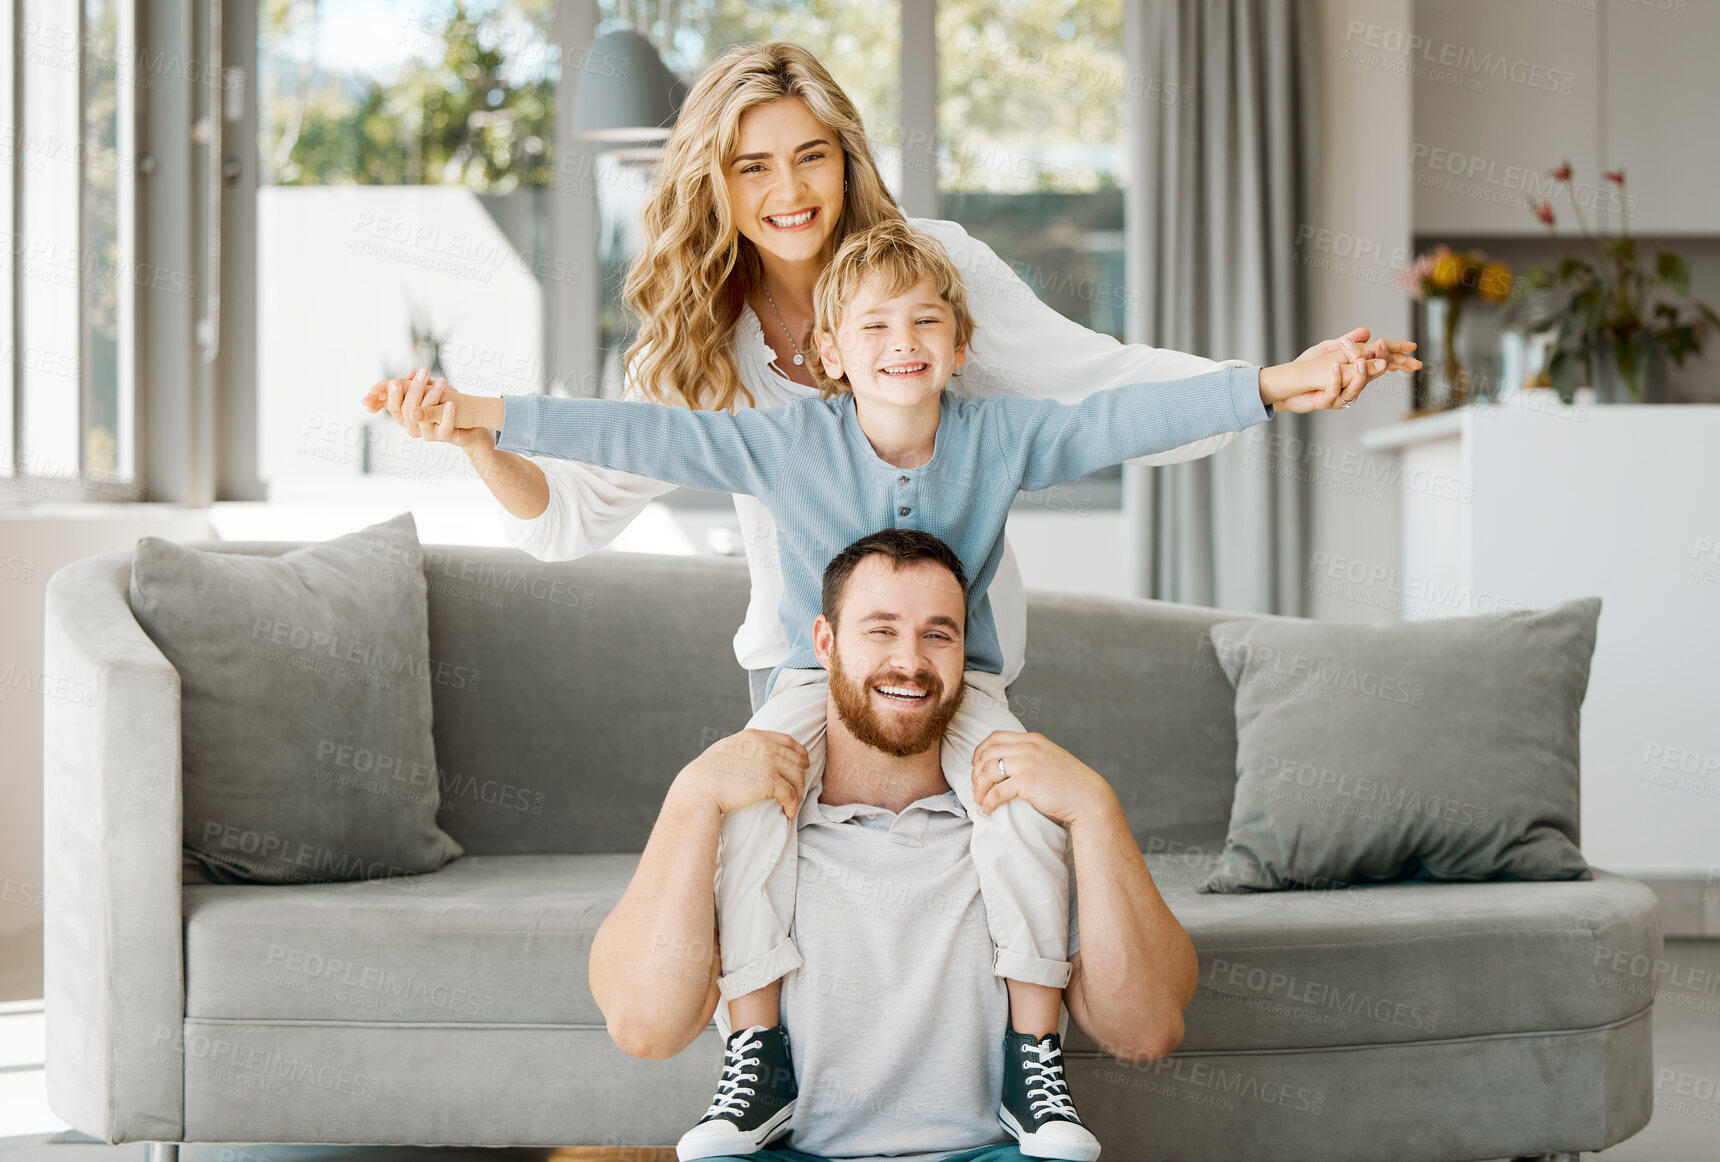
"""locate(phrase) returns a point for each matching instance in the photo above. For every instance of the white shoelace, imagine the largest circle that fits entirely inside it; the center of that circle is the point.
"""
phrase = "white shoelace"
(1047, 1088)
(729, 1088)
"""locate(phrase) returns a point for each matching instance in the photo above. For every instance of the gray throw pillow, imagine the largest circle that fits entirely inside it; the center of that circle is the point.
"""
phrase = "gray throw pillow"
(1442, 750)
(304, 705)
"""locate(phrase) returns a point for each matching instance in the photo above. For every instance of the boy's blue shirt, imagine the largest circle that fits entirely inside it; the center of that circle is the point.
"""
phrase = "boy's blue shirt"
(812, 466)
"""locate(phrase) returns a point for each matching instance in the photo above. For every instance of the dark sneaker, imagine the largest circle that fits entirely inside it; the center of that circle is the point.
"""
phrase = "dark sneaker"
(1037, 1109)
(755, 1098)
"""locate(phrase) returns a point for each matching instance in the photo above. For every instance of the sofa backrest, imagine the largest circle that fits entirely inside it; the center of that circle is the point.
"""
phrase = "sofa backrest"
(1133, 689)
(599, 679)
(568, 695)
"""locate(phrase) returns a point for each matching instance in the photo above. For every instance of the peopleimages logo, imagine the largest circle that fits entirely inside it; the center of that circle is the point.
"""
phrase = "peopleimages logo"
(1206, 1084)
(345, 657)
(395, 987)
(861, 888)
(1373, 791)
(1257, 661)
(1285, 986)
(228, 843)
(1448, 62)
(254, 1067)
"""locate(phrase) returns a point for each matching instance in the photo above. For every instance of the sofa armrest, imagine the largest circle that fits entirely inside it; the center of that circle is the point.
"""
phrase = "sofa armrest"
(113, 969)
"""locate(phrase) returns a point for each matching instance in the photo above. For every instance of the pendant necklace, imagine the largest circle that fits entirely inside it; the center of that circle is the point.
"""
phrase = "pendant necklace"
(798, 357)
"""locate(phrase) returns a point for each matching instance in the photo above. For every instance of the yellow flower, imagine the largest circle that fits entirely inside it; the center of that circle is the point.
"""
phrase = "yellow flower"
(1495, 282)
(1447, 269)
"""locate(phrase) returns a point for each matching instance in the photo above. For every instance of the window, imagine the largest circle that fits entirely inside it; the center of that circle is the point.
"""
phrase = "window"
(405, 162)
(108, 338)
(66, 427)
(1031, 148)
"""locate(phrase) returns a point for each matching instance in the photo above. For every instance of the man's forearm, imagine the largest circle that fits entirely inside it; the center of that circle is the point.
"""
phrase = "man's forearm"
(1137, 970)
(652, 968)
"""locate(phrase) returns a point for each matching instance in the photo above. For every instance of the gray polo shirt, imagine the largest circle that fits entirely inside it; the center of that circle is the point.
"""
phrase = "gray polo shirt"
(896, 1019)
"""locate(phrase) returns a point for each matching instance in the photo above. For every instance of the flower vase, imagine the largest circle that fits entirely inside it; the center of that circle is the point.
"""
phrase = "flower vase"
(1645, 382)
(1445, 383)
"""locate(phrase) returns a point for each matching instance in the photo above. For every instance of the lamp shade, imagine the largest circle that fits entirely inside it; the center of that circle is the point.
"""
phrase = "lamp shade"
(625, 92)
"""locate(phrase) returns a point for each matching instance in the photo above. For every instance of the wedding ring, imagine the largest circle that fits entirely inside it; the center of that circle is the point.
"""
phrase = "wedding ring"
(1346, 405)
(1001, 773)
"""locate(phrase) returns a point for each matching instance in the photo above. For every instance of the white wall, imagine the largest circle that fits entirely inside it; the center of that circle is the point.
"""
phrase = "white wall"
(1620, 505)
(1078, 552)
(1356, 239)
(341, 273)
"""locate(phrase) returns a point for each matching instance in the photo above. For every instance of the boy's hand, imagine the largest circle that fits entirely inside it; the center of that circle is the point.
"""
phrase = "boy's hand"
(415, 402)
(454, 411)
(1332, 374)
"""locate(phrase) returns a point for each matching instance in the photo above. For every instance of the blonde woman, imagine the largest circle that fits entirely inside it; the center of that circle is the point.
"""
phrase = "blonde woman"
(766, 173)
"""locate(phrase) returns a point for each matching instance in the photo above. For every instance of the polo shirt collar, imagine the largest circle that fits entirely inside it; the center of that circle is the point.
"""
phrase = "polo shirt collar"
(946, 803)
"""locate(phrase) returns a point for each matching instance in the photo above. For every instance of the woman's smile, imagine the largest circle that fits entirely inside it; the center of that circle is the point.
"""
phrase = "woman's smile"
(790, 222)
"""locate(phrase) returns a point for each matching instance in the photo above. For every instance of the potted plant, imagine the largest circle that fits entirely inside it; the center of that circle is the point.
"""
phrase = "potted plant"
(1617, 320)
(1450, 278)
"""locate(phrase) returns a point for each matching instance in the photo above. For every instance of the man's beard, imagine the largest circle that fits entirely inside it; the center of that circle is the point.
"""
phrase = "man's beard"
(866, 723)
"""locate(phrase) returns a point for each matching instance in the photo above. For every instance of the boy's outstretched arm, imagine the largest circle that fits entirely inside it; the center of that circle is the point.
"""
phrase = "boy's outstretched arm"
(1048, 443)
(743, 451)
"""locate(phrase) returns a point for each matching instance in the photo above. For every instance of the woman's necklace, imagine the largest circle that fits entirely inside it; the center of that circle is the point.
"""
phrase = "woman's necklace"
(798, 357)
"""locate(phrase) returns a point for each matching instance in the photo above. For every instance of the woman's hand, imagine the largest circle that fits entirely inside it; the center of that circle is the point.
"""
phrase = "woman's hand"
(404, 399)
(747, 768)
(1332, 374)
(1396, 353)
(1057, 784)
(1360, 335)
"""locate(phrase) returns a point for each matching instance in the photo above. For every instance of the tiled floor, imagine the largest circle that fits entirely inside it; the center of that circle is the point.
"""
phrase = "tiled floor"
(1685, 1126)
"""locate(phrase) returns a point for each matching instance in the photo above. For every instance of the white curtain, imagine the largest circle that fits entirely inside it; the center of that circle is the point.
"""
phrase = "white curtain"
(1220, 124)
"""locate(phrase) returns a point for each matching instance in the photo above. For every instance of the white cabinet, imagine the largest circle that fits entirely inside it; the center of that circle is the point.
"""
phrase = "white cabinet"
(1528, 503)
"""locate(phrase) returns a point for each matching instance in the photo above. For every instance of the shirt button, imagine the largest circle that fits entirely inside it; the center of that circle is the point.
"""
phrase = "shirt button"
(903, 511)
(901, 480)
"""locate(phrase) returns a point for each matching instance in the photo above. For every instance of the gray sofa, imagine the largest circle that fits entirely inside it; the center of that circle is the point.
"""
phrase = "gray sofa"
(1417, 1022)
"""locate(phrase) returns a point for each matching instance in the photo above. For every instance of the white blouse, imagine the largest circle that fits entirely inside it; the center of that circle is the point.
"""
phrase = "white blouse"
(1020, 345)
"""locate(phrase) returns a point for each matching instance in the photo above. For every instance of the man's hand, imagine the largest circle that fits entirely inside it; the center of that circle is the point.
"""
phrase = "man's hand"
(1057, 784)
(745, 768)
(407, 401)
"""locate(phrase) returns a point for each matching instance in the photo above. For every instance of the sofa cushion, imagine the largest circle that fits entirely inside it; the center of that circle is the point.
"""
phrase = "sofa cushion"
(305, 704)
(1408, 961)
(505, 938)
(1444, 750)
(487, 938)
